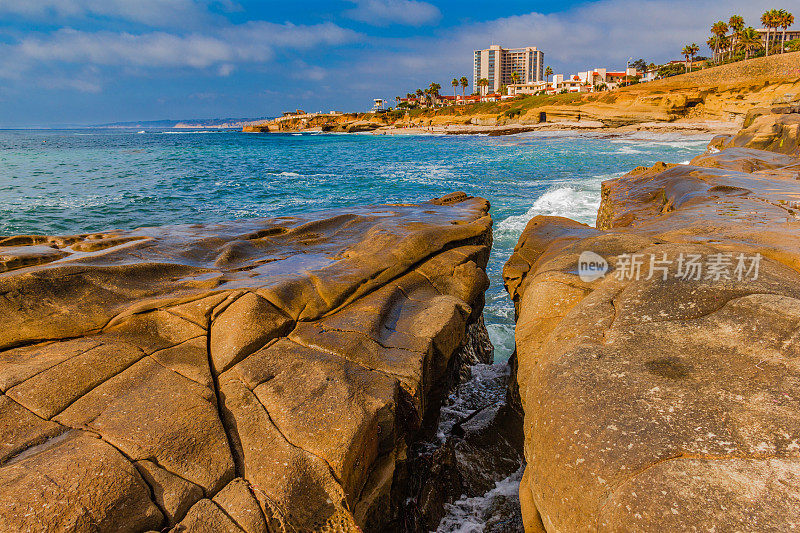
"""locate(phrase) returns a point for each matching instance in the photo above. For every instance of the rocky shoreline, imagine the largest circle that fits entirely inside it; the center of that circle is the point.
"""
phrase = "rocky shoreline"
(259, 375)
(667, 399)
(715, 127)
(318, 373)
(586, 126)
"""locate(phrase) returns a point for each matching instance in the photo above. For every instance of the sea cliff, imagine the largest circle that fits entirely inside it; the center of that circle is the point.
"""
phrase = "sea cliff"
(657, 352)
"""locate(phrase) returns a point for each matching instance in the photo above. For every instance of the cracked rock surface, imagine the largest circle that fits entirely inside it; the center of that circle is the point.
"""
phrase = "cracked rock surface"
(258, 375)
(667, 404)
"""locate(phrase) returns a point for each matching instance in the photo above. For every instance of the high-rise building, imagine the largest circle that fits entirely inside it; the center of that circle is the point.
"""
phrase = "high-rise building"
(497, 65)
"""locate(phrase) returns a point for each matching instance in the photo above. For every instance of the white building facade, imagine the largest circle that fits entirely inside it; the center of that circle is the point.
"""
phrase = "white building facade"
(498, 64)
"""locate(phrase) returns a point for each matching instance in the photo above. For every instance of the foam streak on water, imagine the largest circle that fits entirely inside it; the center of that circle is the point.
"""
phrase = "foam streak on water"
(471, 515)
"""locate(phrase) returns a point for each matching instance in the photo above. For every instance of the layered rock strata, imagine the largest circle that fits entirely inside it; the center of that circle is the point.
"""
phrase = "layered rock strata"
(258, 375)
(664, 396)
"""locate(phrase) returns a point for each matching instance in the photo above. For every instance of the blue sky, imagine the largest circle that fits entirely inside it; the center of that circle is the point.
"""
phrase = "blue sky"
(94, 61)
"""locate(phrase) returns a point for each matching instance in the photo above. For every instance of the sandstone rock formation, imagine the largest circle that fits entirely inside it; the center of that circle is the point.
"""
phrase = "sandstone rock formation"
(667, 399)
(258, 375)
(724, 93)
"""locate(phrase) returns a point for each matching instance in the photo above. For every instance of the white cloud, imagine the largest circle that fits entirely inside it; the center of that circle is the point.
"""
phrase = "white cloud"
(303, 71)
(610, 31)
(385, 12)
(225, 69)
(604, 33)
(80, 85)
(248, 43)
(157, 13)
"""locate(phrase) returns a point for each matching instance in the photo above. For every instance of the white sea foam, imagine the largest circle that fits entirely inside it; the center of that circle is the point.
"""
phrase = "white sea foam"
(187, 132)
(468, 515)
(578, 201)
(501, 335)
(629, 150)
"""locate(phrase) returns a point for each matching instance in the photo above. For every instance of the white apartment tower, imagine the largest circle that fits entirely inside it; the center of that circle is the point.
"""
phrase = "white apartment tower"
(496, 64)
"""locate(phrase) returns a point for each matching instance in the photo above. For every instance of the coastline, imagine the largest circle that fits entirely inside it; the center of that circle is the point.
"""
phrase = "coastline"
(688, 128)
(586, 126)
(712, 101)
(336, 338)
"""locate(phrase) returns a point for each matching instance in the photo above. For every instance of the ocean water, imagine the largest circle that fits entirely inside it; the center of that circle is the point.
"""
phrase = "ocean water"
(75, 181)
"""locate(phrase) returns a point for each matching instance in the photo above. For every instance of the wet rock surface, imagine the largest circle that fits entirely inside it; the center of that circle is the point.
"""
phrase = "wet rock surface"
(258, 375)
(662, 401)
(477, 443)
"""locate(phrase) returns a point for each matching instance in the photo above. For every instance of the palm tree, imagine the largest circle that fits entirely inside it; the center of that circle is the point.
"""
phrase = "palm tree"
(712, 43)
(766, 22)
(686, 53)
(464, 85)
(724, 43)
(434, 91)
(515, 77)
(689, 51)
(454, 83)
(749, 41)
(785, 20)
(718, 30)
(770, 20)
(736, 24)
(547, 73)
(774, 23)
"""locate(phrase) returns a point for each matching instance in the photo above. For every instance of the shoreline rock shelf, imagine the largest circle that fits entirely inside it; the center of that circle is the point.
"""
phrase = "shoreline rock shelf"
(668, 402)
(287, 374)
(257, 375)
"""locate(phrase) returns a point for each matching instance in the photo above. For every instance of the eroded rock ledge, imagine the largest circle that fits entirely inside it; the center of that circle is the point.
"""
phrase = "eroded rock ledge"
(259, 375)
(656, 404)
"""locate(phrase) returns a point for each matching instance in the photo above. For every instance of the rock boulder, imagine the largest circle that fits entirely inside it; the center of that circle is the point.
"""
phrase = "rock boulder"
(662, 397)
(257, 375)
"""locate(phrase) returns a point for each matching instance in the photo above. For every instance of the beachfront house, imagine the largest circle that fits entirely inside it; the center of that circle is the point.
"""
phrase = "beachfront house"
(611, 79)
(582, 82)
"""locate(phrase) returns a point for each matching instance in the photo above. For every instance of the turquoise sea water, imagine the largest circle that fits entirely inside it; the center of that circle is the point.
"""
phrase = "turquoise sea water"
(62, 182)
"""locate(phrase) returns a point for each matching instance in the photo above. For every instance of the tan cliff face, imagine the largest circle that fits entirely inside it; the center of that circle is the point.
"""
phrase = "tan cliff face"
(258, 375)
(725, 93)
(664, 397)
